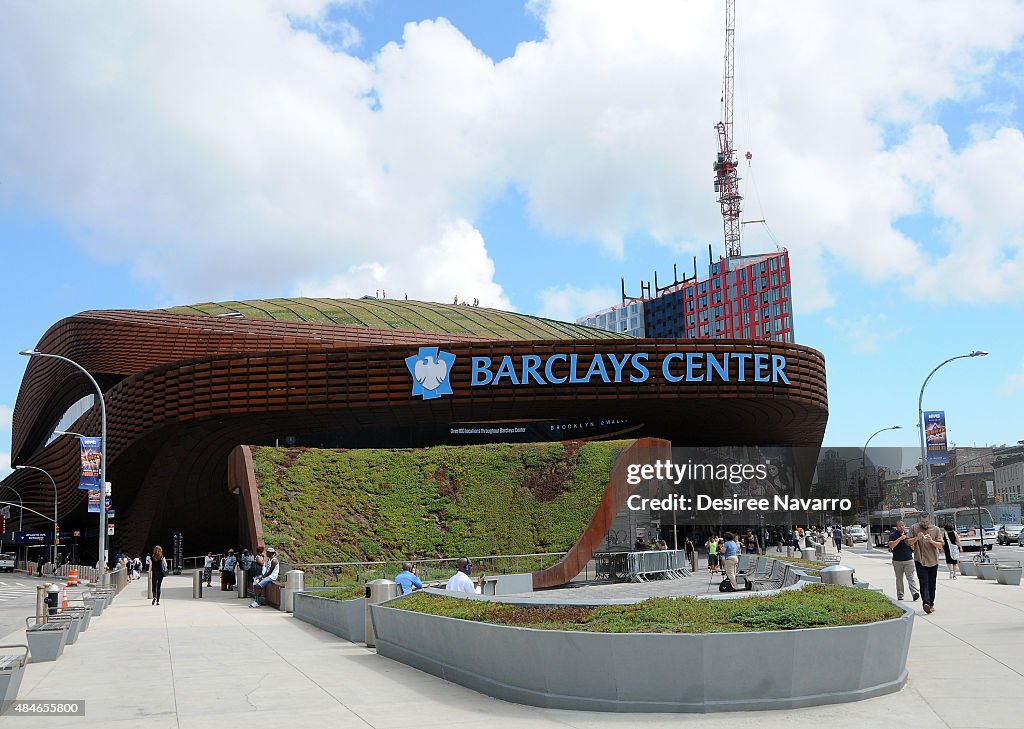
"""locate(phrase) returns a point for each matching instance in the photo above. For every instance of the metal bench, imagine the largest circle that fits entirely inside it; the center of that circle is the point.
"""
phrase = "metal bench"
(12, 669)
(773, 579)
(46, 641)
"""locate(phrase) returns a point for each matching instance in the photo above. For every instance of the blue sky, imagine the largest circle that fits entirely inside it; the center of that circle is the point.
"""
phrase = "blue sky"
(310, 156)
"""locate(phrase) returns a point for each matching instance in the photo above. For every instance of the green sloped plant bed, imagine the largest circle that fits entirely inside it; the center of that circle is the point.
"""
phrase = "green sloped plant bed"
(815, 606)
(323, 505)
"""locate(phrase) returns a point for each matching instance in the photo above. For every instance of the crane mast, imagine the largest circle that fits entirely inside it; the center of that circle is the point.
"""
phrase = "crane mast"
(727, 180)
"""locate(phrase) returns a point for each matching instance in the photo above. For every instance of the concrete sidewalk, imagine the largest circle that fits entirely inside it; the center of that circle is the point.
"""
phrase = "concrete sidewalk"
(215, 663)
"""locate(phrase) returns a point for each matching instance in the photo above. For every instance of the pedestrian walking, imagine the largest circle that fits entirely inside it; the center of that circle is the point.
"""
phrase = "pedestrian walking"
(951, 546)
(902, 560)
(159, 566)
(837, 537)
(926, 541)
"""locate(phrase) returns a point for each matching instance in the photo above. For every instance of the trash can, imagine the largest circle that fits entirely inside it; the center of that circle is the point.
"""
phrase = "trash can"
(197, 584)
(52, 599)
(837, 574)
(377, 591)
(294, 581)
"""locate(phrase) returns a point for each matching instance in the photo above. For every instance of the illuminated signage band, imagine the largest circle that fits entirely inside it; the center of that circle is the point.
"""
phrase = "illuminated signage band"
(431, 369)
(577, 369)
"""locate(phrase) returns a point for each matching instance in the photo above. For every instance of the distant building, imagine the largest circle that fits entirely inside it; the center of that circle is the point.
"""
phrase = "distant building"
(628, 319)
(743, 297)
(1008, 471)
(968, 474)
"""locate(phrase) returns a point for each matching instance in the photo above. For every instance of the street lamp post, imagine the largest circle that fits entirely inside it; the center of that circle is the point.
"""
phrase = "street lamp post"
(864, 470)
(926, 471)
(21, 514)
(21, 504)
(55, 522)
(102, 562)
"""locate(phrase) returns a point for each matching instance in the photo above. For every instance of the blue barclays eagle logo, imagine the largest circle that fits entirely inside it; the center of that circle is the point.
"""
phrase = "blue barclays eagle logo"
(430, 370)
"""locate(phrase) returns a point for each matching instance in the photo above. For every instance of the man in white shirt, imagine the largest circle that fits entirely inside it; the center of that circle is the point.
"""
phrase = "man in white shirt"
(461, 582)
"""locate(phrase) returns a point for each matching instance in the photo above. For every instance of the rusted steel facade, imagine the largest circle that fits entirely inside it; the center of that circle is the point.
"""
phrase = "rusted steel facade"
(183, 391)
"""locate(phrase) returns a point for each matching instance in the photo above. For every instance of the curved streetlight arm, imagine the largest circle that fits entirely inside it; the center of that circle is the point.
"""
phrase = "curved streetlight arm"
(21, 503)
(102, 560)
(37, 513)
(55, 522)
(926, 471)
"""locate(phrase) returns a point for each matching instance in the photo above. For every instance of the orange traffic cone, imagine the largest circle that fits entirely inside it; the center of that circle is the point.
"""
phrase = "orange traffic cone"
(64, 599)
(73, 577)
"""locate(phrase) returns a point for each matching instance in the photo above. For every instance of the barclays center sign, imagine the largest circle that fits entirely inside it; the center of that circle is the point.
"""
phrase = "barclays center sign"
(431, 369)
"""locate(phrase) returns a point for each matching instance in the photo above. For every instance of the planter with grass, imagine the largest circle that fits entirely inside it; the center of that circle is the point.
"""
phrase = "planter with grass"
(820, 645)
(341, 612)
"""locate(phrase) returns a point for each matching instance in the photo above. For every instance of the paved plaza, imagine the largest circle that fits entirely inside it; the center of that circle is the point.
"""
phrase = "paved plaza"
(215, 663)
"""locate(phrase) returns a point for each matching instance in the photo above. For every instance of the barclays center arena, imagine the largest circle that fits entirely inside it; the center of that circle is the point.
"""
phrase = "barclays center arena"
(185, 387)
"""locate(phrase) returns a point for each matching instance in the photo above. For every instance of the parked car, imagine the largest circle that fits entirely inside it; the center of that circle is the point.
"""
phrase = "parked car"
(1009, 533)
(1020, 539)
(6, 562)
(858, 534)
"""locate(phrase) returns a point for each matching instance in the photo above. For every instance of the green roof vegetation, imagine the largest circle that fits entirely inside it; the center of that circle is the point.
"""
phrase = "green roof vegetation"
(380, 505)
(814, 606)
(421, 316)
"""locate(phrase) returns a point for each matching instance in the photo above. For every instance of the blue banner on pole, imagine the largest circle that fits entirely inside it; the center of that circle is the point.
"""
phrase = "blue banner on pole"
(935, 437)
(92, 448)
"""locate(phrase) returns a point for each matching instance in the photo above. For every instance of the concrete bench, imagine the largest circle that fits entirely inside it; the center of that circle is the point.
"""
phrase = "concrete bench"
(986, 570)
(12, 669)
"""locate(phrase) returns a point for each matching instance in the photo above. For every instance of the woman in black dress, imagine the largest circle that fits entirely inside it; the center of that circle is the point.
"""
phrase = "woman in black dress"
(951, 546)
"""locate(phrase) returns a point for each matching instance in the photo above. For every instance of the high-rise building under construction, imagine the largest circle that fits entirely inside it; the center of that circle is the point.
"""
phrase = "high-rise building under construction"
(743, 297)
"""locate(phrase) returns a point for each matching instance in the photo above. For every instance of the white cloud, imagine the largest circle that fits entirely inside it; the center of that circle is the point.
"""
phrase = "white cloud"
(568, 303)
(865, 335)
(250, 156)
(454, 264)
(1014, 383)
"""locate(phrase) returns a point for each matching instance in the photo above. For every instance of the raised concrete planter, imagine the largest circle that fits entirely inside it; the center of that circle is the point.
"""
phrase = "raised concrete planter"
(968, 568)
(986, 570)
(646, 671)
(1008, 575)
(46, 642)
(345, 618)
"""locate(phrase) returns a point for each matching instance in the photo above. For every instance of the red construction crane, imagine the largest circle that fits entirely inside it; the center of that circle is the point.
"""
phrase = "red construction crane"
(727, 179)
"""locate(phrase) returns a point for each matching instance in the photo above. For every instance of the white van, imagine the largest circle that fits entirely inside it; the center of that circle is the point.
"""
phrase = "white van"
(6, 562)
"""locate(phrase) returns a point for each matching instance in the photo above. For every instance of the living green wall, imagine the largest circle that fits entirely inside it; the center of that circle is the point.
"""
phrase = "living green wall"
(370, 505)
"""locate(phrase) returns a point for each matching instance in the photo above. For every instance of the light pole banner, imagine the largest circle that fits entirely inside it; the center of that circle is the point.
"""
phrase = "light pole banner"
(935, 437)
(89, 480)
(94, 502)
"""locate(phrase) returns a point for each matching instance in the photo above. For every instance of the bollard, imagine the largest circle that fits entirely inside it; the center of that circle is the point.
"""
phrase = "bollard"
(295, 581)
(40, 604)
(377, 591)
(149, 585)
(241, 585)
(197, 585)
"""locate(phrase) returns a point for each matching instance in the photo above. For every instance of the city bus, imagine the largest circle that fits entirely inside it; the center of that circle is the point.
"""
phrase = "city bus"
(880, 523)
(966, 521)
